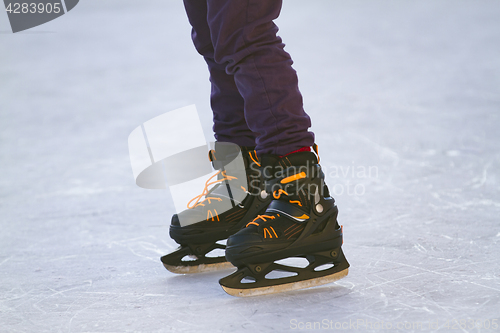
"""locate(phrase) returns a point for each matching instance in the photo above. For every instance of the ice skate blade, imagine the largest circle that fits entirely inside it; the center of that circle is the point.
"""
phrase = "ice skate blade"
(198, 268)
(287, 286)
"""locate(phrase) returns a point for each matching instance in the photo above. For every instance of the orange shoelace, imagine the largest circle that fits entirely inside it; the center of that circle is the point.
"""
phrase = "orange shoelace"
(280, 191)
(266, 230)
(262, 217)
(205, 190)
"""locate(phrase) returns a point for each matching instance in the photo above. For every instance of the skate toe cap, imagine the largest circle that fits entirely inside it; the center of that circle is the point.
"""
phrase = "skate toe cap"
(187, 217)
(244, 236)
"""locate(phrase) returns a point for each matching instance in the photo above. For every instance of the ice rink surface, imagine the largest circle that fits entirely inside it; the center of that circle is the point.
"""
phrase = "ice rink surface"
(405, 101)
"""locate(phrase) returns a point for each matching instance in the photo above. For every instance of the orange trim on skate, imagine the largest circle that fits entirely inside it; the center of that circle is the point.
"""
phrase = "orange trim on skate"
(295, 232)
(316, 149)
(297, 202)
(293, 226)
(266, 230)
(294, 177)
(211, 154)
(273, 231)
(237, 213)
(256, 157)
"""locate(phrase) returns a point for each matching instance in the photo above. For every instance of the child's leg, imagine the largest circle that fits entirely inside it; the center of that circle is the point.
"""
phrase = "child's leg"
(227, 104)
(244, 38)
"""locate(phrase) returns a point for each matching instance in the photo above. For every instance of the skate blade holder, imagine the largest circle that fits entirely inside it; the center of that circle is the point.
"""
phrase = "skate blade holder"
(306, 277)
(200, 263)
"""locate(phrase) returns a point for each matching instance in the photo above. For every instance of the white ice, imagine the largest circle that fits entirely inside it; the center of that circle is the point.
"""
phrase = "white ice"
(405, 102)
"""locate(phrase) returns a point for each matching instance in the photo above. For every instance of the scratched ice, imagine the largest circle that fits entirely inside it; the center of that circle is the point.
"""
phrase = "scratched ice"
(405, 102)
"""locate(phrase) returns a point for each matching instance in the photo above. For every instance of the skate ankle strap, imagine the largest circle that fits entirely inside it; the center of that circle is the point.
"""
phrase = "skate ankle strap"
(223, 153)
(283, 207)
(221, 156)
(291, 179)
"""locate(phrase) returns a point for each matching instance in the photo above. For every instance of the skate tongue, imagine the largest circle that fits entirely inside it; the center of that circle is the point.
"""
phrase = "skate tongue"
(295, 159)
(298, 159)
(289, 209)
(224, 153)
(273, 164)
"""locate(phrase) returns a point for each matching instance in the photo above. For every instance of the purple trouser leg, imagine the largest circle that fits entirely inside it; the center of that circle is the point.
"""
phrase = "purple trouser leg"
(226, 102)
(239, 36)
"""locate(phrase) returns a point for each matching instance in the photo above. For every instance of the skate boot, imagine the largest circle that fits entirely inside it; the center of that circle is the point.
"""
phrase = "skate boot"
(202, 229)
(300, 222)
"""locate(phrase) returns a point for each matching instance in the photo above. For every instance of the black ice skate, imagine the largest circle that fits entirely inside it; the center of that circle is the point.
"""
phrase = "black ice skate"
(200, 240)
(300, 222)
